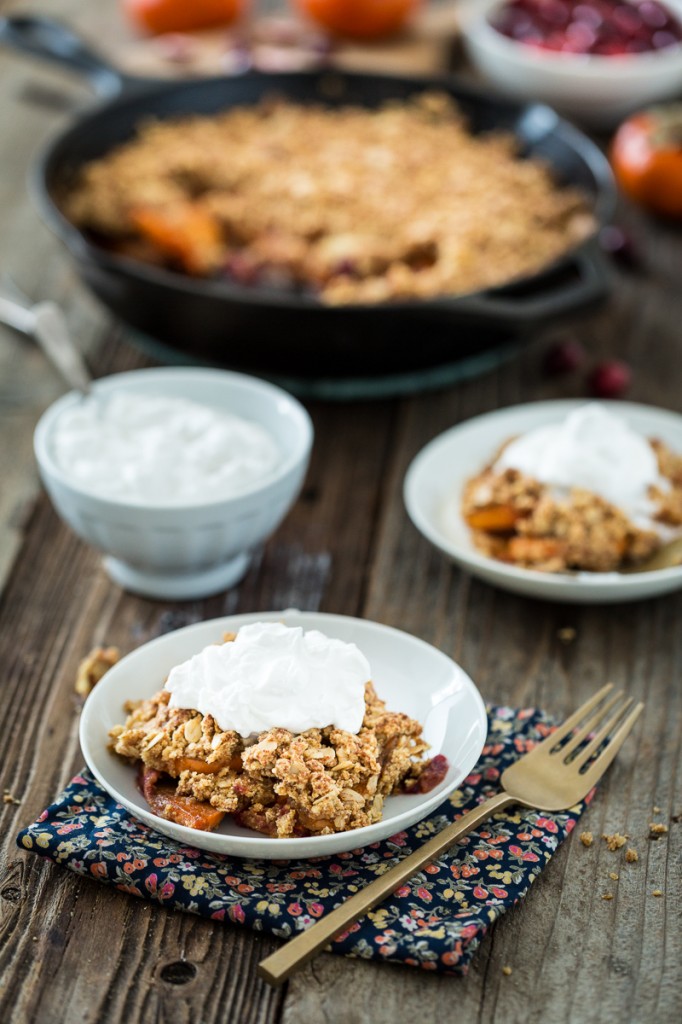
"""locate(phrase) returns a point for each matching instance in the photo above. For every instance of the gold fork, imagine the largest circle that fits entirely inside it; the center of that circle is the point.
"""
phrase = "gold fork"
(553, 776)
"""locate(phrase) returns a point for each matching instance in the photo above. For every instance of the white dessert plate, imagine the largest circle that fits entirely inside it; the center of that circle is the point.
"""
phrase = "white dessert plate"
(409, 674)
(435, 480)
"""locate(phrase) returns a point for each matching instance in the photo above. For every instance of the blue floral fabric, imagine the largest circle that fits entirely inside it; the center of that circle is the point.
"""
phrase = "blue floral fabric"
(435, 922)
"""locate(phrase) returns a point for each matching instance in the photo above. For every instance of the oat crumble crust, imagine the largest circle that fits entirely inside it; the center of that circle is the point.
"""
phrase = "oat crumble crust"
(514, 518)
(355, 205)
(316, 783)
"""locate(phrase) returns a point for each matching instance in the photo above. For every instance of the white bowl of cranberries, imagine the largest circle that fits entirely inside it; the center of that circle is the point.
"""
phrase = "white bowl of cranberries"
(594, 61)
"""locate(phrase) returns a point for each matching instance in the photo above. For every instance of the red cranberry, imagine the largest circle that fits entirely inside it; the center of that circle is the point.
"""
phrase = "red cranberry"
(565, 355)
(619, 245)
(663, 38)
(610, 379)
(652, 14)
(627, 20)
(586, 15)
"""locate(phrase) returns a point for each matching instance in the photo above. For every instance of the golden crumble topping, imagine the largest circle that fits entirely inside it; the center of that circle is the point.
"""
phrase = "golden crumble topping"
(517, 519)
(354, 205)
(281, 784)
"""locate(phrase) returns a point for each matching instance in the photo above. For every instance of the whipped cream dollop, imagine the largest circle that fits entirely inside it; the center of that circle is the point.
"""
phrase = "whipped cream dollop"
(157, 449)
(592, 449)
(275, 676)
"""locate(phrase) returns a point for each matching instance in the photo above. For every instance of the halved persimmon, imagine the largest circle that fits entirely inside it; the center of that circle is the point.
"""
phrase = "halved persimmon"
(157, 16)
(359, 19)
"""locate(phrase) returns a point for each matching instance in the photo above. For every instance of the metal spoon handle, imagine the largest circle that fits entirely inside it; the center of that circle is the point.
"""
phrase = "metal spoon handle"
(51, 331)
(45, 323)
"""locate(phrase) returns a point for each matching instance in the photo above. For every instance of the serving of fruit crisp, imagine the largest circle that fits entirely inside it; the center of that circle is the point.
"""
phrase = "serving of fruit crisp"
(587, 494)
(279, 728)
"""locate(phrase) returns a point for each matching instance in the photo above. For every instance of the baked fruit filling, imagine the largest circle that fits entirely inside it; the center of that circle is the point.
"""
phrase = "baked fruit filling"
(281, 784)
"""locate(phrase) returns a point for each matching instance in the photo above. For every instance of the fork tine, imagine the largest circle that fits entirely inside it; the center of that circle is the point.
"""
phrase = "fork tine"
(575, 719)
(597, 769)
(599, 737)
(589, 726)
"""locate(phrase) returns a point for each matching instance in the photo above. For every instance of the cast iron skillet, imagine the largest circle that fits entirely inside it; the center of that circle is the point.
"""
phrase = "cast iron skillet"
(275, 332)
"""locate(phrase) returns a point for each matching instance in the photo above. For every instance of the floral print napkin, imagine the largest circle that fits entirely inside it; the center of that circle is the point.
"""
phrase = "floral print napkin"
(435, 922)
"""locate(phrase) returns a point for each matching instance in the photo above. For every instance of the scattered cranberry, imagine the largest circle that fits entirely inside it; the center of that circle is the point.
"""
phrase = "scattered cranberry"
(609, 28)
(610, 379)
(564, 356)
(619, 245)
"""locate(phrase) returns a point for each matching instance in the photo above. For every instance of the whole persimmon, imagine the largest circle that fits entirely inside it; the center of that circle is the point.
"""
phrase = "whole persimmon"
(359, 19)
(646, 156)
(159, 16)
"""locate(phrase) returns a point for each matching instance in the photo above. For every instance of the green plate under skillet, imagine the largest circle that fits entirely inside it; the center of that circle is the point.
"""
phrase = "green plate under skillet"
(349, 389)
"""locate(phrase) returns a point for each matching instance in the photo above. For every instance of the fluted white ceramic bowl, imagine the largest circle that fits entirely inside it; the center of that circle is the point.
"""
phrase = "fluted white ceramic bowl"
(596, 91)
(197, 549)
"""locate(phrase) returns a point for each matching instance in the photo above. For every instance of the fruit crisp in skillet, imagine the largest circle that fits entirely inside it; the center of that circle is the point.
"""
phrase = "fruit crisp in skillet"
(352, 205)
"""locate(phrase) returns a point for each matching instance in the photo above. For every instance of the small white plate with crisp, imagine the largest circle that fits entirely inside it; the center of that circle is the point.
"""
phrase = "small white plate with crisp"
(435, 481)
(409, 674)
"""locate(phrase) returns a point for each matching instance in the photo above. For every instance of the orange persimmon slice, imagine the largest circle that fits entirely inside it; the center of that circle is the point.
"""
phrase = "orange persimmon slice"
(184, 233)
(160, 793)
(196, 764)
(493, 518)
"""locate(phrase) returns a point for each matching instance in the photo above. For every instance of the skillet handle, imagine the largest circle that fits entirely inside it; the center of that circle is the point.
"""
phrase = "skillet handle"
(55, 42)
(549, 298)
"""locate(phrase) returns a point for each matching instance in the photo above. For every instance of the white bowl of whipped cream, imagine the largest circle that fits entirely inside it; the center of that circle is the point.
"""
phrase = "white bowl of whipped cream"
(176, 474)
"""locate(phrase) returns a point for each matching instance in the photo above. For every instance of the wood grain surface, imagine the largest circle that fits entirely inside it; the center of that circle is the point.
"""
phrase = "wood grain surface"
(73, 951)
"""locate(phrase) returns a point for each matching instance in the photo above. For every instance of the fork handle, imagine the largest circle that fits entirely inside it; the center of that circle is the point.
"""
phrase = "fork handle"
(280, 965)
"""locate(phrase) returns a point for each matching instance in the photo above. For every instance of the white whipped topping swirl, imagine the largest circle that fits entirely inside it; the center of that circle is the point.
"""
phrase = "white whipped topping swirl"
(594, 450)
(160, 450)
(274, 676)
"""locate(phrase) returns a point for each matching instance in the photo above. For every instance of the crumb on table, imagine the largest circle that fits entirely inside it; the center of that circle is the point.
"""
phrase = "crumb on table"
(614, 841)
(586, 838)
(631, 856)
(93, 667)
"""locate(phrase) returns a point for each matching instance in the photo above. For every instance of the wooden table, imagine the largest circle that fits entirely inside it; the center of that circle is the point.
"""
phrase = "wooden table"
(75, 951)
